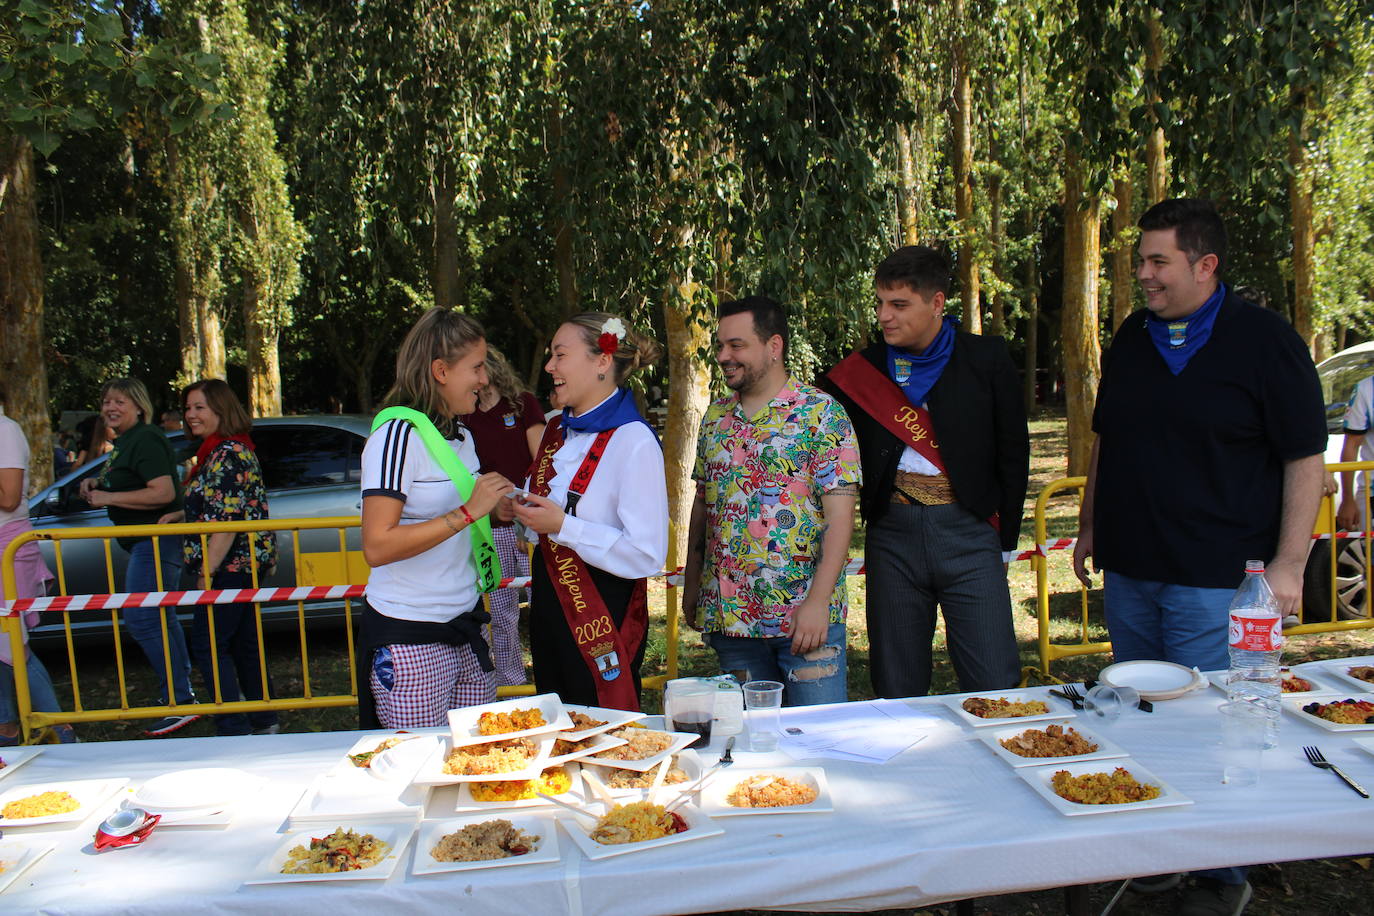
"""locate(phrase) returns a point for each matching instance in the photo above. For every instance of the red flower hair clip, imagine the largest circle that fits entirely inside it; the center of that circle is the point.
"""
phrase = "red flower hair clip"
(612, 333)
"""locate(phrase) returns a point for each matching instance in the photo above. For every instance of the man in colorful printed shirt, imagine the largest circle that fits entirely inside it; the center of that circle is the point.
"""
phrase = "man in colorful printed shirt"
(777, 476)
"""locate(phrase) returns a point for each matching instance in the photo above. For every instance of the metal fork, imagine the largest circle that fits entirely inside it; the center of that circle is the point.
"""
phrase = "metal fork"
(1070, 693)
(1315, 757)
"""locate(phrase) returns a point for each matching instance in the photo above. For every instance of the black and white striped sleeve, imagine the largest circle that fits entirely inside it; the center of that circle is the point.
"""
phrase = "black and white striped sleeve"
(388, 468)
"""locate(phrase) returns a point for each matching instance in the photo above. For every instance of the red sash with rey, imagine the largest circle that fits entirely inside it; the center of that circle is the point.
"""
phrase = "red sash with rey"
(607, 650)
(880, 398)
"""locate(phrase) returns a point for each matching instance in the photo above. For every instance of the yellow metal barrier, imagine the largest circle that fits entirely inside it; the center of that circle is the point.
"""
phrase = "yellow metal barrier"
(336, 569)
(1325, 528)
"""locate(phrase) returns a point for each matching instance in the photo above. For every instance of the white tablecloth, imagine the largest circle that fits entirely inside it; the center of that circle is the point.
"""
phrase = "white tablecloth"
(945, 820)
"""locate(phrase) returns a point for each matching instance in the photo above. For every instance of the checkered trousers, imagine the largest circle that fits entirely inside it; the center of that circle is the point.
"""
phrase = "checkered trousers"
(426, 681)
(504, 607)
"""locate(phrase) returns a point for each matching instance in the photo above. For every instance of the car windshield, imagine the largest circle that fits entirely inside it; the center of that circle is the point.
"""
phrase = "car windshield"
(1339, 375)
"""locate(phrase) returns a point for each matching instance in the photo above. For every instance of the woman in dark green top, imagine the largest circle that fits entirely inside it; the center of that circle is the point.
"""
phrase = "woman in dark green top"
(138, 485)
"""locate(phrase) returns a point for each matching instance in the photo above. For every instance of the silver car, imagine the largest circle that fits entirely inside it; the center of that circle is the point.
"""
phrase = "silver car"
(312, 466)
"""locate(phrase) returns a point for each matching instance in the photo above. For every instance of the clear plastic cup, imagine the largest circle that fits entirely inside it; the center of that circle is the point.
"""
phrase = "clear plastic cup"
(1108, 704)
(763, 705)
(1244, 728)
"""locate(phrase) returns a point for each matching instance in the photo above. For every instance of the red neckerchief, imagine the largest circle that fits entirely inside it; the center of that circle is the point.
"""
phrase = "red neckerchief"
(213, 440)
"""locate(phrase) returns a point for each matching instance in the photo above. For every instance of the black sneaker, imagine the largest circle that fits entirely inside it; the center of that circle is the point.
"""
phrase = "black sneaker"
(1209, 897)
(1154, 884)
(161, 728)
(268, 730)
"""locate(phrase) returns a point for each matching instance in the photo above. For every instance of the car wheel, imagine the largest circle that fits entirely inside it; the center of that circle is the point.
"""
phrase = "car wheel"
(1352, 599)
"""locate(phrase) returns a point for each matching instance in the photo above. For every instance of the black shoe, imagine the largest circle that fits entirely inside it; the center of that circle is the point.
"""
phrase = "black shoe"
(1209, 897)
(161, 728)
(268, 730)
(1154, 884)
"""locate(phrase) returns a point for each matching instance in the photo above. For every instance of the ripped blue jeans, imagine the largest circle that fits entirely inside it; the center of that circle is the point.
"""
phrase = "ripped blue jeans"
(817, 677)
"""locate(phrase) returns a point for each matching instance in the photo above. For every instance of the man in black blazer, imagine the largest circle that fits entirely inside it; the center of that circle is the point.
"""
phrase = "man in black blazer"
(946, 453)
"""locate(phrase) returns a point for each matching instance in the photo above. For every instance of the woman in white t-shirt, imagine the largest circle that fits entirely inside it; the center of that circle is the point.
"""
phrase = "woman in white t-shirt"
(422, 650)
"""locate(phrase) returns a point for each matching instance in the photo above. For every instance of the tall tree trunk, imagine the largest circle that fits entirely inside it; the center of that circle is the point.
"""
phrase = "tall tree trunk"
(1156, 162)
(183, 277)
(1032, 329)
(1079, 324)
(1304, 239)
(907, 213)
(1123, 268)
(689, 385)
(997, 320)
(444, 266)
(963, 177)
(212, 357)
(23, 365)
(562, 228)
(264, 366)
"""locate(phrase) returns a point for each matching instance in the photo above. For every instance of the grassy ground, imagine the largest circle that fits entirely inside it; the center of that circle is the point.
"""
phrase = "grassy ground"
(1319, 886)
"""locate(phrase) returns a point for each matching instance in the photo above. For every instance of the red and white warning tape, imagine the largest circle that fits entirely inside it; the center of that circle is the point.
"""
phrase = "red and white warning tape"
(316, 593)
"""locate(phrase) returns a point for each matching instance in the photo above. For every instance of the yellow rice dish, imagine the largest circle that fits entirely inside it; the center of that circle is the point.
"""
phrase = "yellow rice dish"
(44, 804)
(553, 781)
(636, 822)
(1118, 787)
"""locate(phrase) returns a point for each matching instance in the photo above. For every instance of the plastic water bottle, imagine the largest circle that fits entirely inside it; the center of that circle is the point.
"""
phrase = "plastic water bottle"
(1256, 638)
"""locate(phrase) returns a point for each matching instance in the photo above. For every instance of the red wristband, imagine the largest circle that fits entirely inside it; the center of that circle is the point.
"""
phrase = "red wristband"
(467, 515)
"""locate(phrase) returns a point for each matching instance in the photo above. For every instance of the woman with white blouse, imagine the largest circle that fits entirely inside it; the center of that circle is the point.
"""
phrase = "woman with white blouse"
(598, 501)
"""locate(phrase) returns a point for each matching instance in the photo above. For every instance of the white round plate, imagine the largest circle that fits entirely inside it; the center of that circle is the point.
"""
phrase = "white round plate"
(1153, 680)
(196, 788)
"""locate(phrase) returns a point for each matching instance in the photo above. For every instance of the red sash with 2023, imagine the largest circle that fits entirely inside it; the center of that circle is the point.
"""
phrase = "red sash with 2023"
(608, 651)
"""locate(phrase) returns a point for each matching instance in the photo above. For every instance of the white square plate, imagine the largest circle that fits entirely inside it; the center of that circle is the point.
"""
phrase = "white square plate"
(16, 757)
(1038, 778)
(614, 718)
(699, 826)
(89, 793)
(1319, 685)
(542, 825)
(993, 738)
(431, 772)
(680, 742)
(1294, 706)
(463, 722)
(466, 803)
(396, 836)
(352, 795)
(1366, 744)
(398, 762)
(16, 856)
(1058, 709)
(719, 787)
(1339, 670)
(600, 743)
(689, 762)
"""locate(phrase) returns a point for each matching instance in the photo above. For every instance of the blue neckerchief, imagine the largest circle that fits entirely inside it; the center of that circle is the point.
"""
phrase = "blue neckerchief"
(917, 374)
(616, 410)
(1177, 341)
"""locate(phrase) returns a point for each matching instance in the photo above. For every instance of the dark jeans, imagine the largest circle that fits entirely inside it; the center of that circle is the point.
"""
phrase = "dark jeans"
(236, 643)
(144, 624)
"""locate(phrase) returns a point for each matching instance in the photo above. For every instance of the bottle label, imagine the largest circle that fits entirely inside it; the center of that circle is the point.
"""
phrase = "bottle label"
(1256, 634)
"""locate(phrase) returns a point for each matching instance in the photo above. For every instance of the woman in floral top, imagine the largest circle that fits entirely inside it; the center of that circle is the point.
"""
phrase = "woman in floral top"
(226, 485)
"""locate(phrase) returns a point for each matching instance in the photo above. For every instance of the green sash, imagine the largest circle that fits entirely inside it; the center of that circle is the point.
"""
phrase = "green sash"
(483, 550)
